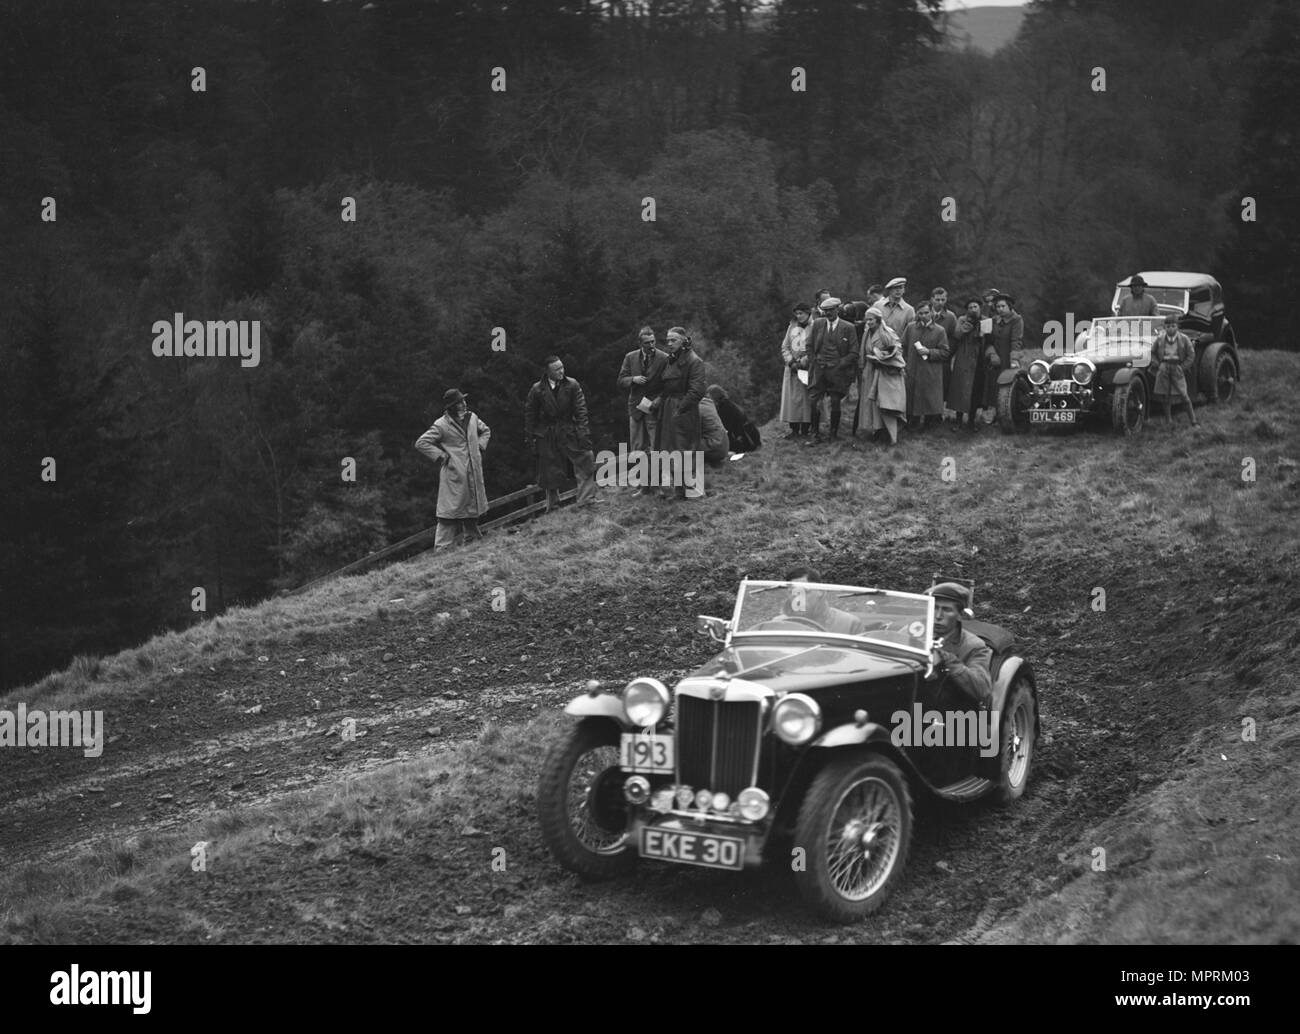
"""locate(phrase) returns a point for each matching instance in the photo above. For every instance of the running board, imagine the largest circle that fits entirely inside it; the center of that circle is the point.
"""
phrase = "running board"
(965, 790)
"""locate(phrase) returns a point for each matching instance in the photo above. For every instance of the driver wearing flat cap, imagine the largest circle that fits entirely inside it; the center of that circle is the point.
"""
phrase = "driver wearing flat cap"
(962, 656)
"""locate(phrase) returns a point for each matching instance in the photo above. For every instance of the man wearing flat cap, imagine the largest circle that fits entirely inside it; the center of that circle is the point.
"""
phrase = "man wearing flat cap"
(1138, 302)
(833, 365)
(455, 443)
(962, 657)
(898, 314)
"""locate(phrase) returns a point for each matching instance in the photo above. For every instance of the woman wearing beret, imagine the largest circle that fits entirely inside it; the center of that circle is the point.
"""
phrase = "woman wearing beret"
(883, 393)
(455, 443)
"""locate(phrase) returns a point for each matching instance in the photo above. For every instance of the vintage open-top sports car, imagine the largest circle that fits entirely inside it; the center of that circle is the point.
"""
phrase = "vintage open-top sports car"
(801, 741)
(1108, 374)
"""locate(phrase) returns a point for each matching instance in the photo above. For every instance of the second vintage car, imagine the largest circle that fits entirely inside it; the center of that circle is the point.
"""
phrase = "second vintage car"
(803, 741)
(1108, 377)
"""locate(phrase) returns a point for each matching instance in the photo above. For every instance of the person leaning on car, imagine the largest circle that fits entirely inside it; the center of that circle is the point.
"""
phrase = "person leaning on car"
(962, 656)
(1138, 302)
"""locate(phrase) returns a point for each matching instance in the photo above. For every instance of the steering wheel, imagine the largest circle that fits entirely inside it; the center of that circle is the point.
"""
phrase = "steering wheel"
(790, 619)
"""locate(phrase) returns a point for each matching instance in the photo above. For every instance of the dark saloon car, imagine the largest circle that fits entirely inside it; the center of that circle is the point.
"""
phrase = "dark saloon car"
(1108, 376)
(802, 742)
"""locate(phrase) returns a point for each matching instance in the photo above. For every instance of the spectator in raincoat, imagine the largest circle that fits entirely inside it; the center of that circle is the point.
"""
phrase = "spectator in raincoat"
(455, 443)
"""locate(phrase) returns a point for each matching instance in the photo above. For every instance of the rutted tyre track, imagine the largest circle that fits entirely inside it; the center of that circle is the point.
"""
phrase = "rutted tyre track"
(1116, 714)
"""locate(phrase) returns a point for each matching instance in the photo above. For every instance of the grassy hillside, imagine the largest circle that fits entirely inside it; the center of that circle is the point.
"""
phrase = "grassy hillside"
(229, 733)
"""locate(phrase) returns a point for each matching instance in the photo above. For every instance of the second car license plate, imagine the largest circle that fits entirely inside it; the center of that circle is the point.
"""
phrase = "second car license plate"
(675, 845)
(646, 752)
(1052, 416)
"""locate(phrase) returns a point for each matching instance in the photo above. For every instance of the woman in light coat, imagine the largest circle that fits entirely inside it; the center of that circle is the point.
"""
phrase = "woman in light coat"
(883, 392)
(796, 410)
(455, 443)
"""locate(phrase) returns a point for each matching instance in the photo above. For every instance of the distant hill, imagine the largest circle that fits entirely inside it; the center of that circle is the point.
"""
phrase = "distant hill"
(987, 29)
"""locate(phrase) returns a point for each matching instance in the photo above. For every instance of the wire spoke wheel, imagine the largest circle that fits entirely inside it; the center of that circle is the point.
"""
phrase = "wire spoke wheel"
(856, 824)
(580, 803)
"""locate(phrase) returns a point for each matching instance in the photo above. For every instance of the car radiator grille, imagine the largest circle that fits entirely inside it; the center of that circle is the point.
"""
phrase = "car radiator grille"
(716, 742)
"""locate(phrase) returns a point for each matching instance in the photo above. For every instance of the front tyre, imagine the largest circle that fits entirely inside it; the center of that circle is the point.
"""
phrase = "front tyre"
(1128, 407)
(580, 804)
(855, 826)
(1016, 749)
(1013, 406)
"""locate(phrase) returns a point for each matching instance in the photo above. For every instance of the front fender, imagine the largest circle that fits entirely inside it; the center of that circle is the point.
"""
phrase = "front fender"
(605, 705)
(851, 734)
(1011, 668)
(1010, 374)
(1119, 377)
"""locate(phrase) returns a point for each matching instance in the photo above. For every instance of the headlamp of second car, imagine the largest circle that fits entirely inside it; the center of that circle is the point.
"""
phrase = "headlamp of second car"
(1083, 372)
(645, 702)
(1039, 372)
(796, 719)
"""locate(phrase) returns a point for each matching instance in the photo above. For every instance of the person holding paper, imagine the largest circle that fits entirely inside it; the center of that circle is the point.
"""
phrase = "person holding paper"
(640, 377)
(796, 410)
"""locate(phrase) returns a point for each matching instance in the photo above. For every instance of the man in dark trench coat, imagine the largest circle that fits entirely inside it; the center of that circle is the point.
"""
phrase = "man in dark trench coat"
(555, 422)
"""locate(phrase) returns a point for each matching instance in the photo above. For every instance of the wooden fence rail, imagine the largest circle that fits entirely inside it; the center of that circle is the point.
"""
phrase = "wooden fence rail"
(422, 540)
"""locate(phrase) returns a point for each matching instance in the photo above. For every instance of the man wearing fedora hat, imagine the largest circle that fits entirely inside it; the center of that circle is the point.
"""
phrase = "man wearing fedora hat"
(455, 443)
(961, 657)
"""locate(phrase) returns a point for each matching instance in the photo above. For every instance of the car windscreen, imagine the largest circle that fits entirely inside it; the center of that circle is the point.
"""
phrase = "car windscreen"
(1176, 297)
(903, 620)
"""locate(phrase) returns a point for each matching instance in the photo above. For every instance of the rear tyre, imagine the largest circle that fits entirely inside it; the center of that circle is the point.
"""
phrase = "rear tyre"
(1016, 750)
(1128, 407)
(1220, 375)
(855, 826)
(580, 804)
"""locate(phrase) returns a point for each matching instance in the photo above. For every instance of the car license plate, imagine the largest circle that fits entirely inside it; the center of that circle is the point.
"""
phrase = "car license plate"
(1052, 416)
(707, 849)
(646, 752)
(1061, 387)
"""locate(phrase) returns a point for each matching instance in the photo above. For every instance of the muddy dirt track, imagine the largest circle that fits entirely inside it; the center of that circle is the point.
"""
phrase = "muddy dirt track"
(1121, 695)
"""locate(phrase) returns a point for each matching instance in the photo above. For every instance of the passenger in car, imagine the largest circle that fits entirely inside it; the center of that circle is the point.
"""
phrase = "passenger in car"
(812, 604)
(962, 656)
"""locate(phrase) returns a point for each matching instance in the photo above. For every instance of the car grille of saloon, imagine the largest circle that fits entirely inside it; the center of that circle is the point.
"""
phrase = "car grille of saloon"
(716, 742)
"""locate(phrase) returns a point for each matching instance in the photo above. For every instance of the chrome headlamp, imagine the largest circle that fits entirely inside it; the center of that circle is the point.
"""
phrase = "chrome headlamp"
(645, 702)
(1083, 372)
(1039, 372)
(796, 719)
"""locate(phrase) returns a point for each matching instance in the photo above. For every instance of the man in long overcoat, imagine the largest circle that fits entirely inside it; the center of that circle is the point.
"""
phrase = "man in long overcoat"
(455, 443)
(833, 365)
(925, 346)
(555, 422)
(685, 381)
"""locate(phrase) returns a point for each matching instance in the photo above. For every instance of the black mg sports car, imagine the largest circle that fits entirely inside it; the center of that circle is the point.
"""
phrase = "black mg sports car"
(802, 742)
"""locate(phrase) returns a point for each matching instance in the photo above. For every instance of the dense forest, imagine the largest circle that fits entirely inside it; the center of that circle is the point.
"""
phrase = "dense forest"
(199, 157)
